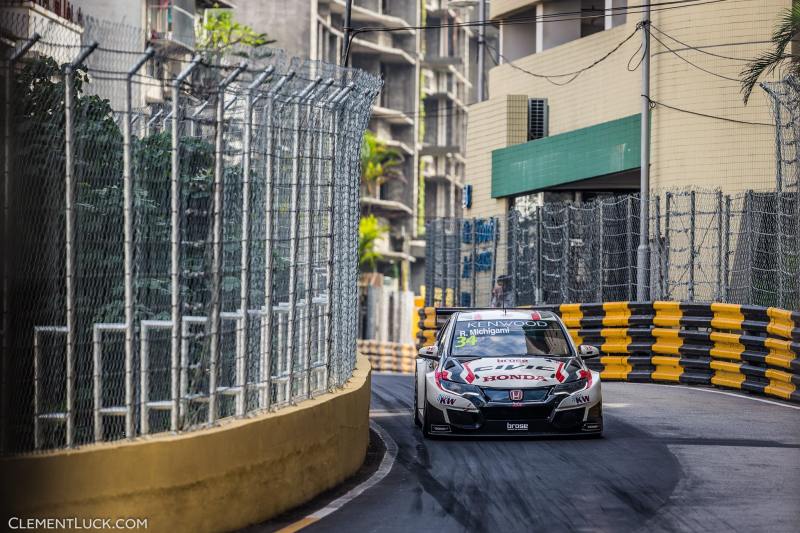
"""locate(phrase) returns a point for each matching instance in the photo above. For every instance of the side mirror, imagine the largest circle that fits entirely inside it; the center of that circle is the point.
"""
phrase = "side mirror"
(588, 351)
(429, 352)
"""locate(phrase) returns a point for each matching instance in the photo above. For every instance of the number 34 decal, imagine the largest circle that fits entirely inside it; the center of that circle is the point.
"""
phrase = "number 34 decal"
(462, 341)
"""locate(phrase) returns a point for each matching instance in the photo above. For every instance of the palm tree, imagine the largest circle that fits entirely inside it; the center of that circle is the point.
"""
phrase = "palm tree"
(370, 230)
(786, 31)
(379, 163)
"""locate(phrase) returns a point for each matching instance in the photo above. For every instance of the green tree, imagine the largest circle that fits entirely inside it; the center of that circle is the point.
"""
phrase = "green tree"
(785, 32)
(220, 32)
(379, 162)
(370, 230)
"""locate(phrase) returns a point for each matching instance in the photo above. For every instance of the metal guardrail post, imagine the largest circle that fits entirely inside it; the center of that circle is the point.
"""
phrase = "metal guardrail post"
(692, 237)
(176, 301)
(128, 222)
(69, 232)
(244, 284)
(216, 242)
(294, 240)
(265, 365)
(6, 190)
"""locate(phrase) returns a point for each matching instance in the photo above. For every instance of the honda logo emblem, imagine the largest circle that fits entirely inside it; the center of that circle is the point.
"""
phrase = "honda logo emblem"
(515, 395)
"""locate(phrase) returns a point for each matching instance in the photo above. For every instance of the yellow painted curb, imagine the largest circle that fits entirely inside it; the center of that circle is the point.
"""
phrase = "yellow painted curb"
(226, 477)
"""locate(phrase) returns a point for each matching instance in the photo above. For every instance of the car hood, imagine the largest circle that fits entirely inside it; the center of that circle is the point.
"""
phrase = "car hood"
(512, 372)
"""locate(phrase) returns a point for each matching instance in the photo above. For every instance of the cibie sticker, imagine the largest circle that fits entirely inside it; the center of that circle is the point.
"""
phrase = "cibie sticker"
(516, 427)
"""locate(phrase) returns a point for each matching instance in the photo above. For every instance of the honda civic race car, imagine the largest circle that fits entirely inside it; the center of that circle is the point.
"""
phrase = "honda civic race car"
(506, 372)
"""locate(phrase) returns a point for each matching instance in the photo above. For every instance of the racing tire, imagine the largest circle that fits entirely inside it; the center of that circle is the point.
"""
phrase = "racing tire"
(416, 409)
(426, 423)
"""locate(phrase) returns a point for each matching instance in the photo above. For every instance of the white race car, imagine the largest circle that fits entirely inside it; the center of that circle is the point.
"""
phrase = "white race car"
(506, 372)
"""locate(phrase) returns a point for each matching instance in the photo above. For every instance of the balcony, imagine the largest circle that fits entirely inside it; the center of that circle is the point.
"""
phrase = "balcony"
(170, 23)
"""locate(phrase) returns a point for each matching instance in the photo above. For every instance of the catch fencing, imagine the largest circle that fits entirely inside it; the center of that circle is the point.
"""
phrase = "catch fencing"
(179, 233)
(704, 246)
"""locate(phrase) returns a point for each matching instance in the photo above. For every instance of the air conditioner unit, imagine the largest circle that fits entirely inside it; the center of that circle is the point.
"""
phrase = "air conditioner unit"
(537, 118)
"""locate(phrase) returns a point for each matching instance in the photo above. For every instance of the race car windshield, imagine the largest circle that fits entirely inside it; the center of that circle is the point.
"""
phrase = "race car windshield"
(509, 337)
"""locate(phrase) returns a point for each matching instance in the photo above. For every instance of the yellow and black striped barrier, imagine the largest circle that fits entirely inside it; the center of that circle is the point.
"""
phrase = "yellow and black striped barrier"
(745, 347)
(389, 356)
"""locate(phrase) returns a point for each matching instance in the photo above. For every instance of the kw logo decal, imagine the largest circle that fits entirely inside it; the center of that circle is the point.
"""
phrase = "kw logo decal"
(445, 400)
(581, 399)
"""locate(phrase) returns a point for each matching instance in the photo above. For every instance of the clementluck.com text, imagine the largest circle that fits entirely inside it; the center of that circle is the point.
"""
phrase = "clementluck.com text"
(59, 524)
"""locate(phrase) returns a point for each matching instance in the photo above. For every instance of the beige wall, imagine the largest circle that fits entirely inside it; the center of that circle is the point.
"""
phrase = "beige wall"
(687, 150)
(693, 151)
(218, 479)
(601, 94)
(501, 122)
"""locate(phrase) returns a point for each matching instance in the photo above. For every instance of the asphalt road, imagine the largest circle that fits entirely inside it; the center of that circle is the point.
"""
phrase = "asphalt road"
(672, 459)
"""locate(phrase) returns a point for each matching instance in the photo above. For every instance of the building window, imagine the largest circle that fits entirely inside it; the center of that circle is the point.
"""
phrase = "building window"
(537, 118)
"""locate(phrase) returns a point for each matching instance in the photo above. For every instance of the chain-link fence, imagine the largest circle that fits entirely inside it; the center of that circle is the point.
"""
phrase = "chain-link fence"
(785, 97)
(704, 246)
(179, 234)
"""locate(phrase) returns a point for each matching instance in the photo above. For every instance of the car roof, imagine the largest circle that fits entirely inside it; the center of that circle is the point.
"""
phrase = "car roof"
(499, 314)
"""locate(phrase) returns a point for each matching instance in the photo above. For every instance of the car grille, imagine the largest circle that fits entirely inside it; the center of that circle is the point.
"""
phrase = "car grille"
(523, 412)
(528, 395)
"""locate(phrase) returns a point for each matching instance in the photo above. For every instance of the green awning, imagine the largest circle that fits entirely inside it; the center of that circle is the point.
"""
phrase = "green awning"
(597, 150)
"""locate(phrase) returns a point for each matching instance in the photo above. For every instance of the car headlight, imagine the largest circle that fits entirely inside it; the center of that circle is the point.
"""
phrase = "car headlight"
(459, 388)
(570, 386)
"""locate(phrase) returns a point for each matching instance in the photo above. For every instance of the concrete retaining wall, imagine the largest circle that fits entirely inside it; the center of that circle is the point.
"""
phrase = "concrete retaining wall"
(226, 477)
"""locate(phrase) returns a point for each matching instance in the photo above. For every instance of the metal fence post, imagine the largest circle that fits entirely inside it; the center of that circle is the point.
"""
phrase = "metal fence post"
(309, 200)
(335, 117)
(513, 249)
(296, 191)
(6, 190)
(600, 249)
(719, 246)
(244, 283)
(659, 264)
(565, 263)
(629, 244)
(430, 261)
(128, 222)
(265, 365)
(780, 256)
(751, 245)
(443, 263)
(692, 237)
(176, 301)
(69, 234)
(539, 256)
(668, 265)
(473, 298)
(726, 256)
(217, 242)
(495, 246)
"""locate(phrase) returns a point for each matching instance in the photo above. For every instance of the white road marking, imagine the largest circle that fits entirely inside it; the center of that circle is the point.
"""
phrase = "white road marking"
(383, 470)
(726, 393)
(608, 405)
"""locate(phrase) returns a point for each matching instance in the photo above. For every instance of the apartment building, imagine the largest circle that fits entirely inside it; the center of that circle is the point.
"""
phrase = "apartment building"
(429, 77)
(539, 139)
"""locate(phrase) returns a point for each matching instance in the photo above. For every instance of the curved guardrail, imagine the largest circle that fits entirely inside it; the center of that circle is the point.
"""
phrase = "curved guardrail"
(744, 347)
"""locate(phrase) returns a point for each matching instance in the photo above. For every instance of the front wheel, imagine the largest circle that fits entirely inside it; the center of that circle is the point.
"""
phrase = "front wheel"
(416, 406)
(426, 423)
